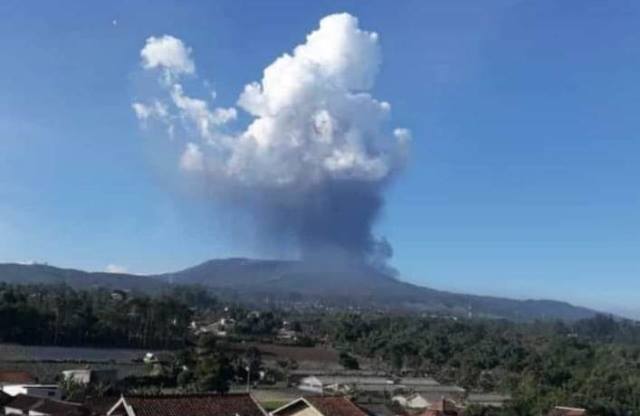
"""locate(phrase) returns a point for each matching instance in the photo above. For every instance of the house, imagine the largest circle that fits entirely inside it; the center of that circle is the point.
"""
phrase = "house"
(91, 376)
(320, 406)
(345, 384)
(437, 392)
(443, 407)
(38, 406)
(285, 334)
(118, 295)
(415, 383)
(567, 411)
(428, 388)
(187, 405)
(487, 399)
(411, 402)
(51, 391)
(220, 328)
(99, 406)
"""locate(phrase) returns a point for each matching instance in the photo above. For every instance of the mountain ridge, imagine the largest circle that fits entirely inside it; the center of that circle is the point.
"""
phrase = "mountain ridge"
(287, 280)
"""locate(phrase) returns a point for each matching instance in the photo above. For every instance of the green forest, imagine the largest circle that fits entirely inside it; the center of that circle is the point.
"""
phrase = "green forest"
(592, 363)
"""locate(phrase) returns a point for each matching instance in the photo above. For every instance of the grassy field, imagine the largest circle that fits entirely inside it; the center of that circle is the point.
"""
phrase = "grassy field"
(306, 357)
(12, 352)
(273, 397)
(50, 372)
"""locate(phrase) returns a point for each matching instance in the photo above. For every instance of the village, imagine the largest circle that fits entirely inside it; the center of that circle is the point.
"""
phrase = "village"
(282, 378)
(346, 394)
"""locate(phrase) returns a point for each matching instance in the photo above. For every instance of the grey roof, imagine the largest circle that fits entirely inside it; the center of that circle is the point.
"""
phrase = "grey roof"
(487, 397)
(438, 388)
(377, 387)
(325, 372)
(418, 381)
(328, 380)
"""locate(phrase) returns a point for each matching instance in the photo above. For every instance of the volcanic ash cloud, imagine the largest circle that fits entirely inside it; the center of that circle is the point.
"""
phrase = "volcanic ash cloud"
(314, 159)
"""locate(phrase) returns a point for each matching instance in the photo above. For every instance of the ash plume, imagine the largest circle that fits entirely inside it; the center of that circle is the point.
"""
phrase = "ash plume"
(313, 162)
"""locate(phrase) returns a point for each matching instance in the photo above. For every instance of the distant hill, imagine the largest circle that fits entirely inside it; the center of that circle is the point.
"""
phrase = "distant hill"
(45, 274)
(348, 286)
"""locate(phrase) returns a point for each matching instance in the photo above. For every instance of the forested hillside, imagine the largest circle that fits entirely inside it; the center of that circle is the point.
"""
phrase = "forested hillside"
(593, 363)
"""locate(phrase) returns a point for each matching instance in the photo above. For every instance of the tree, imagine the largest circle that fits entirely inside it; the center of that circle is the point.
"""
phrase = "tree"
(213, 370)
(348, 361)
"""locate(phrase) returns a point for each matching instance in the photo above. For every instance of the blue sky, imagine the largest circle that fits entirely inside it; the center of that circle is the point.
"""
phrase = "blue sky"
(523, 175)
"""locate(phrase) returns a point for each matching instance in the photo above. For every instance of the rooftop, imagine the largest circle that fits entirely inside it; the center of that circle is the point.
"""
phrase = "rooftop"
(487, 397)
(195, 405)
(418, 381)
(335, 406)
(352, 380)
(567, 411)
(16, 377)
(46, 406)
(327, 406)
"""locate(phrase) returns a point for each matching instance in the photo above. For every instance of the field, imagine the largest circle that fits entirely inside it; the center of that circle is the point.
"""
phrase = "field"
(12, 352)
(46, 363)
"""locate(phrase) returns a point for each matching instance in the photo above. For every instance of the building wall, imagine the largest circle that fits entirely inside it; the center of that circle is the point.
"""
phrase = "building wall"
(311, 384)
(78, 376)
(307, 411)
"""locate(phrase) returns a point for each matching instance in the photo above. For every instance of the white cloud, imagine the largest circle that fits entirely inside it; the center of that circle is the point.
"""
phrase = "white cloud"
(314, 118)
(168, 54)
(192, 158)
(197, 112)
(155, 109)
(114, 268)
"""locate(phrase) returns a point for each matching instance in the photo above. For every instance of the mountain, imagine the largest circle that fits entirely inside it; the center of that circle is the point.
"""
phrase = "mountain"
(353, 285)
(362, 285)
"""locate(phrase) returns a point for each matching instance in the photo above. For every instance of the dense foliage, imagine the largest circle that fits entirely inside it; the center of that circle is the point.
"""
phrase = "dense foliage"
(593, 363)
(58, 315)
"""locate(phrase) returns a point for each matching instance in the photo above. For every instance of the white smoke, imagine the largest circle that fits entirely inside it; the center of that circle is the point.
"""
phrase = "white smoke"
(114, 268)
(317, 149)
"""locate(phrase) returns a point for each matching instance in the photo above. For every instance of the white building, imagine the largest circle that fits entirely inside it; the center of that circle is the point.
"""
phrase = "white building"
(412, 401)
(49, 391)
(87, 376)
(344, 384)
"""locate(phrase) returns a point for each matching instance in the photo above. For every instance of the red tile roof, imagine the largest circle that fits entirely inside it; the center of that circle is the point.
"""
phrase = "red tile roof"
(335, 406)
(195, 405)
(100, 405)
(442, 407)
(16, 377)
(59, 408)
(567, 411)
(46, 406)
(22, 402)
